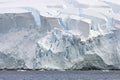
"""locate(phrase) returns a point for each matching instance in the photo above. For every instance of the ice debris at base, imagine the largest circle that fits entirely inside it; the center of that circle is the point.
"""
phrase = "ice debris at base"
(71, 34)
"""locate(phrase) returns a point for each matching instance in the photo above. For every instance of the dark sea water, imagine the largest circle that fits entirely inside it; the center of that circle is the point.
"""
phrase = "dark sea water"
(59, 75)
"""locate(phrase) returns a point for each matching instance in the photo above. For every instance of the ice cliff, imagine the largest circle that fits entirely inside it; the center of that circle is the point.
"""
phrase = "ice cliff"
(64, 50)
(71, 35)
(18, 35)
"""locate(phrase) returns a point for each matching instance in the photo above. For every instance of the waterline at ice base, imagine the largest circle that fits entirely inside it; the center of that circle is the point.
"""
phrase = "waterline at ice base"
(60, 35)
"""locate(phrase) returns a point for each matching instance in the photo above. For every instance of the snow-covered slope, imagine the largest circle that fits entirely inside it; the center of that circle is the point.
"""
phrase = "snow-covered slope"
(63, 34)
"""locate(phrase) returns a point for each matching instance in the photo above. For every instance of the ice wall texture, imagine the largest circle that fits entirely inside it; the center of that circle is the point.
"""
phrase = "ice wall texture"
(18, 35)
(74, 35)
(64, 50)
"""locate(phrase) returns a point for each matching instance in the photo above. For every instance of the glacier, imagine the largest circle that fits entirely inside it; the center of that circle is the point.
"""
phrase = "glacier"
(69, 35)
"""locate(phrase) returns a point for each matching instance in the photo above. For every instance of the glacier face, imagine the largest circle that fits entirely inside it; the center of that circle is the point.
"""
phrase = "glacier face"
(63, 50)
(68, 36)
(19, 34)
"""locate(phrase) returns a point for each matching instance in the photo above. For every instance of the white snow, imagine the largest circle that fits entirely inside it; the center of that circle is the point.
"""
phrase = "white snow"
(12, 10)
